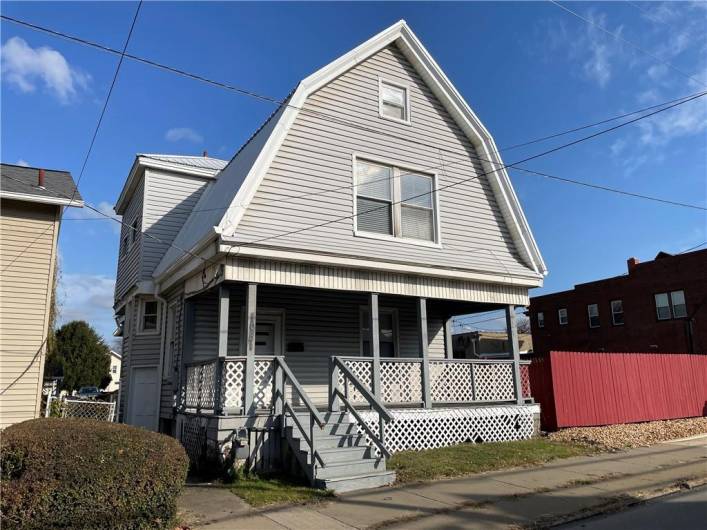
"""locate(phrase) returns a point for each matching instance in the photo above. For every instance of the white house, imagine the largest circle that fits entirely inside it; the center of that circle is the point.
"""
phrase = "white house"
(296, 301)
(115, 362)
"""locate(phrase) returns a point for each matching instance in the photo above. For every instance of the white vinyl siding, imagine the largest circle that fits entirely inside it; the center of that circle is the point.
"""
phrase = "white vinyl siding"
(25, 291)
(318, 154)
(129, 265)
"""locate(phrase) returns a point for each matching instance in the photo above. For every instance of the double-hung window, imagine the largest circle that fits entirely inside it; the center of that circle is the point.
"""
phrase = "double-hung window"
(617, 312)
(395, 202)
(148, 317)
(670, 305)
(394, 101)
(593, 314)
(134, 231)
(541, 319)
(562, 316)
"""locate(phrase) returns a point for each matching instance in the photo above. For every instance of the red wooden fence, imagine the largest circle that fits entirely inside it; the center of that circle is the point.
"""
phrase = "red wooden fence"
(583, 388)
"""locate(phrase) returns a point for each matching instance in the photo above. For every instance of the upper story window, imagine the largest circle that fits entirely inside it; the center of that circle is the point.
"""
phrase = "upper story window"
(394, 101)
(593, 315)
(541, 319)
(395, 202)
(148, 316)
(617, 312)
(114, 369)
(670, 305)
(134, 231)
(562, 316)
(124, 246)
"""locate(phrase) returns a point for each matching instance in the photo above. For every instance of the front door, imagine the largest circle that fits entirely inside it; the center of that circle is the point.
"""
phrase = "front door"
(269, 332)
(265, 338)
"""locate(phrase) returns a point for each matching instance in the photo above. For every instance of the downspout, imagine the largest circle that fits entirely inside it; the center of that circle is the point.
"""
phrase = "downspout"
(160, 368)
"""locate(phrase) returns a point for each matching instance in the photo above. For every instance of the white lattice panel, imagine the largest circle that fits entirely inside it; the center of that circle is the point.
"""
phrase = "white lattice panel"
(192, 386)
(208, 385)
(493, 382)
(94, 410)
(363, 370)
(233, 384)
(263, 384)
(451, 382)
(401, 382)
(417, 429)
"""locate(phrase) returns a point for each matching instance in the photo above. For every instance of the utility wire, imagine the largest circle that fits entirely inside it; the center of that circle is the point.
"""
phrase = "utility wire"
(626, 41)
(105, 103)
(359, 126)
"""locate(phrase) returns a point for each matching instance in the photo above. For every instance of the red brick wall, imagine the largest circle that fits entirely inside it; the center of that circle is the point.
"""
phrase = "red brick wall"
(641, 331)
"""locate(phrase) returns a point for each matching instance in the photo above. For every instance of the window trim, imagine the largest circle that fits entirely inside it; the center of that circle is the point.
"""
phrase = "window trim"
(613, 313)
(559, 318)
(540, 322)
(589, 316)
(396, 328)
(396, 166)
(669, 306)
(672, 303)
(141, 318)
(397, 84)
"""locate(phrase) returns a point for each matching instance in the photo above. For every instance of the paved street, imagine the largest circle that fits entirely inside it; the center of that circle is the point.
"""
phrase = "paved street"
(686, 511)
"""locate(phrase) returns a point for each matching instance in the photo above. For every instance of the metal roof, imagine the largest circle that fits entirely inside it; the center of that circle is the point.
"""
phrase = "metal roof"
(204, 162)
(21, 183)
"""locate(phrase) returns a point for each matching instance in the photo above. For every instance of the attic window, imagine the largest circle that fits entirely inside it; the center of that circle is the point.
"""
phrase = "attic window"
(394, 101)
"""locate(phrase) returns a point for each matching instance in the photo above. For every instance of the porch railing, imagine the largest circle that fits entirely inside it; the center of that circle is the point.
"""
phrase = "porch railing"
(452, 381)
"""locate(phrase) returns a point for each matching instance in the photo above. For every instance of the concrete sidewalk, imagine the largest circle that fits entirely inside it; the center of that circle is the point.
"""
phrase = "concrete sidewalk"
(557, 491)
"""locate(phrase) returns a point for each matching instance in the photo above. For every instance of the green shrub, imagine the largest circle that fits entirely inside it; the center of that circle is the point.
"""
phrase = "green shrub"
(75, 473)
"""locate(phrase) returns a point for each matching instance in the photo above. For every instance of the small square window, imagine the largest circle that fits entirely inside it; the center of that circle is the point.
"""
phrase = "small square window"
(593, 314)
(394, 102)
(562, 316)
(662, 306)
(677, 299)
(617, 312)
(541, 319)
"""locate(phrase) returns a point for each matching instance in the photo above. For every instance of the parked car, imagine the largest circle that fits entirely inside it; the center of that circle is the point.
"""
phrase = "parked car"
(88, 392)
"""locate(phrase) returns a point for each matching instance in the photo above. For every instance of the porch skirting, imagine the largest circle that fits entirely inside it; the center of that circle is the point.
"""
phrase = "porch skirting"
(416, 429)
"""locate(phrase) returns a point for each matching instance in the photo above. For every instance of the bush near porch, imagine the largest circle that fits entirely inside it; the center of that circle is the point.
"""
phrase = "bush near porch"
(78, 473)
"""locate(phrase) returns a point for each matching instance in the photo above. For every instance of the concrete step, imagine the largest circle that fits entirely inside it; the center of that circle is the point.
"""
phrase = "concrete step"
(350, 468)
(376, 479)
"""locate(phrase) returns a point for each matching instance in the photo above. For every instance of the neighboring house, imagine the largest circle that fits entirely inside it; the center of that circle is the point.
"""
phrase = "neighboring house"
(659, 306)
(31, 205)
(319, 271)
(115, 362)
(488, 345)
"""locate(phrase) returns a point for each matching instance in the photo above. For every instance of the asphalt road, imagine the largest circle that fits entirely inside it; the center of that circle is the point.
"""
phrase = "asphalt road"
(683, 511)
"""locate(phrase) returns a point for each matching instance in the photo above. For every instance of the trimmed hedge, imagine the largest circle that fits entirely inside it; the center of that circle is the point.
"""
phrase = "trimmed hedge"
(76, 473)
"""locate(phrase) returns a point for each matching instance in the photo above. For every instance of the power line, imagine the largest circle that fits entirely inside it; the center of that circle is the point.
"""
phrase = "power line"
(626, 41)
(325, 116)
(105, 103)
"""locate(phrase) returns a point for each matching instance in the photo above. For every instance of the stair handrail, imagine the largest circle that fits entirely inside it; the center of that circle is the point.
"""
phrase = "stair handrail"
(280, 394)
(376, 404)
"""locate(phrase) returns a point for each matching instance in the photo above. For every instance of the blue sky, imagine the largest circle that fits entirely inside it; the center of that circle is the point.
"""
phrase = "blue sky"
(527, 70)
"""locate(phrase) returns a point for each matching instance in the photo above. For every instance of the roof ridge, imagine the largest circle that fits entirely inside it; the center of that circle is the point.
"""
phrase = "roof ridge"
(35, 167)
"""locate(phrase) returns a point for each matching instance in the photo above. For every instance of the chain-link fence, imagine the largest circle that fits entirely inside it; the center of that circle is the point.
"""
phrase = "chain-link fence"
(80, 408)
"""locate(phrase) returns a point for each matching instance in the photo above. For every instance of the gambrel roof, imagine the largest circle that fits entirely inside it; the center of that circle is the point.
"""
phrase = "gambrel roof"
(224, 203)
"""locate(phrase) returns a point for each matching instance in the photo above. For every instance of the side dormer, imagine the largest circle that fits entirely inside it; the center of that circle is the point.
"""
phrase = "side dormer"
(158, 196)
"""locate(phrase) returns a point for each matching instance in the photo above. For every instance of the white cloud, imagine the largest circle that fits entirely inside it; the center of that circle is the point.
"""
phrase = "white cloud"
(22, 162)
(686, 120)
(183, 133)
(105, 208)
(618, 146)
(23, 67)
(87, 297)
(602, 50)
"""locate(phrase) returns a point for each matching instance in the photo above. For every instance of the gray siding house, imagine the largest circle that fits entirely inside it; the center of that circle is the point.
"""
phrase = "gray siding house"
(292, 307)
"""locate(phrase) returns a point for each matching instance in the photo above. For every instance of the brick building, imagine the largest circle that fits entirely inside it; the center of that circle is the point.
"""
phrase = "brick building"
(658, 306)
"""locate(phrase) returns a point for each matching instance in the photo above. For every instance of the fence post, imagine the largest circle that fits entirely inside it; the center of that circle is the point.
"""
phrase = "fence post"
(279, 394)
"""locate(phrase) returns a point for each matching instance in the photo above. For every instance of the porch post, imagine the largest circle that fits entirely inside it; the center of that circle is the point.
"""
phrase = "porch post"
(374, 326)
(251, 304)
(224, 299)
(512, 331)
(187, 354)
(448, 343)
(422, 324)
